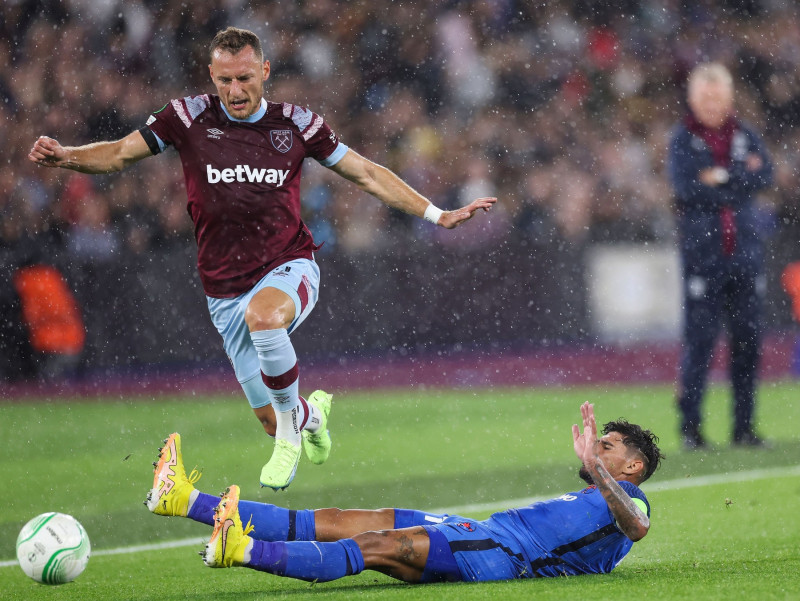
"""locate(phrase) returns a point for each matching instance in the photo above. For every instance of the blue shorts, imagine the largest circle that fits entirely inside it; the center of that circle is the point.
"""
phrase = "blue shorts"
(299, 279)
(440, 566)
(480, 554)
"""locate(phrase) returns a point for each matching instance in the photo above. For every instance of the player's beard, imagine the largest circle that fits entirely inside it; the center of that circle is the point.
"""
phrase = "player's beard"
(584, 474)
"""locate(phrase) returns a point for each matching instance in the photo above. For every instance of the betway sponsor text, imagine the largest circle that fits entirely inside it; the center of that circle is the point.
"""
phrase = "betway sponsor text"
(245, 173)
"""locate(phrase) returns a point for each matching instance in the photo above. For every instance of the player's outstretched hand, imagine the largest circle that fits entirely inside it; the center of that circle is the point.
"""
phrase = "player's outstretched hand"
(451, 219)
(47, 152)
(583, 442)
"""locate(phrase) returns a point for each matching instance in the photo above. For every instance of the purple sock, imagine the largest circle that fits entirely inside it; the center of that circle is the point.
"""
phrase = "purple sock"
(307, 560)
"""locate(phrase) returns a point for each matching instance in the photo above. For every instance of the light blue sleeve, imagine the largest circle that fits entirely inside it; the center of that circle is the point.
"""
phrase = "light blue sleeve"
(336, 156)
(161, 144)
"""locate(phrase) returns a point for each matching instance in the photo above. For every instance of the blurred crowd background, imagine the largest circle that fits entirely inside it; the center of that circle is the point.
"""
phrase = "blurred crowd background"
(562, 109)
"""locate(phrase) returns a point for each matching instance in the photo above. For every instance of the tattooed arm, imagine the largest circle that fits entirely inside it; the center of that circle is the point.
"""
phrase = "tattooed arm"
(631, 520)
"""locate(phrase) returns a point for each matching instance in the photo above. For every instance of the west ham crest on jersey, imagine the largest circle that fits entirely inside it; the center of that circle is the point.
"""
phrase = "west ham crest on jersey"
(281, 139)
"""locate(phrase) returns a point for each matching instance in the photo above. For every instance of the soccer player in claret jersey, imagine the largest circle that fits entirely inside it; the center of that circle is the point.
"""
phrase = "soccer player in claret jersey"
(242, 157)
(584, 532)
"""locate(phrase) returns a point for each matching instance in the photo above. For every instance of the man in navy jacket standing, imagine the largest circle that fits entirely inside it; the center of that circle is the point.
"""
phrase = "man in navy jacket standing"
(716, 166)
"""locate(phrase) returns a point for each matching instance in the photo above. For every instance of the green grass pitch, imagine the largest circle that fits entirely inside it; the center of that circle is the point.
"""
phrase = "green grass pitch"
(725, 523)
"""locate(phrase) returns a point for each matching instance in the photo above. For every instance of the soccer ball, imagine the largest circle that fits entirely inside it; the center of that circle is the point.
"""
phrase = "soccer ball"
(53, 548)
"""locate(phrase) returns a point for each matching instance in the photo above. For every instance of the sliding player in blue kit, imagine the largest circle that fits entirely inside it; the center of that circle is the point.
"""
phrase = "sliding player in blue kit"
(584, 532)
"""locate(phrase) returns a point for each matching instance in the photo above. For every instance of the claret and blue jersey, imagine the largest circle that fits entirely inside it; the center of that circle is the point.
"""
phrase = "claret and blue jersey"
(243, 183)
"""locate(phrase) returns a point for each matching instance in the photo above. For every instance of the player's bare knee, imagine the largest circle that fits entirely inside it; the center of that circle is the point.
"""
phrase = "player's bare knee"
(390, 552)
(378, 548)
(385, 515)
(330, 525)
(264, 319)
(330, 514)
(335, 524)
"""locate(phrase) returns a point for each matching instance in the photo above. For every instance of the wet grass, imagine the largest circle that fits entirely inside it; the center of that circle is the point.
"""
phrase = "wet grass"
(426, 449)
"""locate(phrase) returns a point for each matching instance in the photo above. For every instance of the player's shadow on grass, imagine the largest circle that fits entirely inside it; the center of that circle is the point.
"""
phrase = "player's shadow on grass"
(291, 589)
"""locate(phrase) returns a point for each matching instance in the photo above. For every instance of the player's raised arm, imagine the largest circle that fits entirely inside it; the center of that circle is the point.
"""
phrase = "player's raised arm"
(387, 187)
(631, 520)
(98, 157)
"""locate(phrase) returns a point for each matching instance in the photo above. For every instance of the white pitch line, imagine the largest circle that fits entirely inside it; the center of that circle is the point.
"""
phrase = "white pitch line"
(676, 484)
(184, 542)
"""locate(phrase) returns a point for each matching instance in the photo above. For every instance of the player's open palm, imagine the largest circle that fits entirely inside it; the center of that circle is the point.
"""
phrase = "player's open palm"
(451, 219)
(584, 442)
(47, 152)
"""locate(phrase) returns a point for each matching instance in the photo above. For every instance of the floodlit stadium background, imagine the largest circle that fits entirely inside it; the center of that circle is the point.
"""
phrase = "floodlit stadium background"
(561, 109)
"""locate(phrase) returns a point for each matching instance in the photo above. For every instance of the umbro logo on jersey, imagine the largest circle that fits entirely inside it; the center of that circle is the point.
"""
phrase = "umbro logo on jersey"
(281, 139)
(245, 173)
(215, 133)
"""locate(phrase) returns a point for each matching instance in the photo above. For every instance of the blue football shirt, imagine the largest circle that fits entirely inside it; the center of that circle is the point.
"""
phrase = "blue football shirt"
(573, 534)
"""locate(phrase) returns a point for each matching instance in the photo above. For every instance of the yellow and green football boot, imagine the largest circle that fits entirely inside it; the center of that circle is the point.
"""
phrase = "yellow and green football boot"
(229, 541)
(171, 487)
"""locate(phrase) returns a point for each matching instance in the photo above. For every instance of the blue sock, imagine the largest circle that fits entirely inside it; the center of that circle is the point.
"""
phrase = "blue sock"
(308, 560)
(273, 523)
(202, 510)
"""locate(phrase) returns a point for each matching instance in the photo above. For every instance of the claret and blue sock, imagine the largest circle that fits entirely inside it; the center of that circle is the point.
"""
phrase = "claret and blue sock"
(281, 376)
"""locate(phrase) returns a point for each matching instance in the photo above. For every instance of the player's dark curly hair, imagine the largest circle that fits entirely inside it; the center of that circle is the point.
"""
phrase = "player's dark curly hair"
(234, 40)
(643, 440)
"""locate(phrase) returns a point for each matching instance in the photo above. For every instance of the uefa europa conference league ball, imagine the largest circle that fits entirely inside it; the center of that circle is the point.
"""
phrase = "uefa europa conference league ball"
(53, 548)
